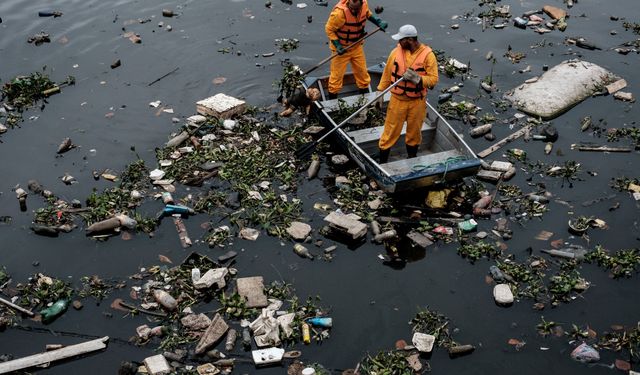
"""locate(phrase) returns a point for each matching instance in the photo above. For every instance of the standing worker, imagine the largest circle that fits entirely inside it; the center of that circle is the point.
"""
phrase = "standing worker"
(345, 26)
(417, 64)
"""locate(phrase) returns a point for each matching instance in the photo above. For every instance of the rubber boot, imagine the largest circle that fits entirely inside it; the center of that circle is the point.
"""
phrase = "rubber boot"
(363, 91)
(333, 96)
(383, 156)
(412, 151)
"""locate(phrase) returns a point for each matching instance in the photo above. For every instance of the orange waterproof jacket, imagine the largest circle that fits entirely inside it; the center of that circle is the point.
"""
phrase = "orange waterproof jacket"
(400, 66)
(353, 28)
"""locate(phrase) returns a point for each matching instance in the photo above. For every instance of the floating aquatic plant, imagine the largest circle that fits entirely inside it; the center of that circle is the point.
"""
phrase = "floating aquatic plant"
(433, 323)
(475, 251)
(621, 264)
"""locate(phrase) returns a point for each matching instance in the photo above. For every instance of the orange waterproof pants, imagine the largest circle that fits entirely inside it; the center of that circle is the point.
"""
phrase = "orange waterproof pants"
(412, 111)
(355, 56)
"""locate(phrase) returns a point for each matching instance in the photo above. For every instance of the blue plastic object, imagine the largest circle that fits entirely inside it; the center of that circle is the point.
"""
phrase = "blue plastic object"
(172, 209)
(321, 321)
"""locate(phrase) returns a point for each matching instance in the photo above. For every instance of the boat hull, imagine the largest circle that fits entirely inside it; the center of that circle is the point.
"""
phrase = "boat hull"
(443, 156)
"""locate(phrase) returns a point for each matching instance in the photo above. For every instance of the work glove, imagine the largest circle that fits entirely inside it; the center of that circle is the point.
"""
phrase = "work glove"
(412, 76)
(339, 49)
(378, 22)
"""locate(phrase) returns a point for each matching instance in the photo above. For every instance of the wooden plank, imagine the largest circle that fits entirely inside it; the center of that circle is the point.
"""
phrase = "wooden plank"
(604, 149)
(515, 135)
(55, 355)
(406, 165)
(252, 289)
(374, 134)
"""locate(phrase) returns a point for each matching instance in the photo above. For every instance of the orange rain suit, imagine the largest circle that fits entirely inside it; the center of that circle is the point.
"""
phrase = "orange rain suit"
(347, 28)
(408, 101)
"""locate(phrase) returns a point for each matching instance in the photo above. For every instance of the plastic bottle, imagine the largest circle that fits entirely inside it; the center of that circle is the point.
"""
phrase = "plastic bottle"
(49, 13)
(306, 333)
(231, 340)
(178, 139)
(246, 338)
(387, 235)
(167, 198)
(52, 312)
(321, 321)
(127, 222)
(195, 275)
(509, 174)
(444, 97)
(562, 254)
(461, 350)
(482, 212)
(21, 194)
(480, 130)
(165, 299)
(483, 202)
(496, 273)
(375, 228)
(314, 167)
(302, 251)
(172, 209)
(45, 230)
(51, 91)
(520, 22)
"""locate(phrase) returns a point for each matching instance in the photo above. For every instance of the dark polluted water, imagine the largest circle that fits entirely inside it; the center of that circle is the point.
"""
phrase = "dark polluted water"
(107, 113)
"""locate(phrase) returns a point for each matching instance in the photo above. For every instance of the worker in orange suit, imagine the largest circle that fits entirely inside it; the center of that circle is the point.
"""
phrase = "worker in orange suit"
(345, 26)
(417, 63)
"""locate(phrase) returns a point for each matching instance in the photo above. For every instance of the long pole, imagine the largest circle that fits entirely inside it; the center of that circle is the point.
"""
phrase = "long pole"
(308, 148)
(19, 308)
(354, 114)
(345, 48)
